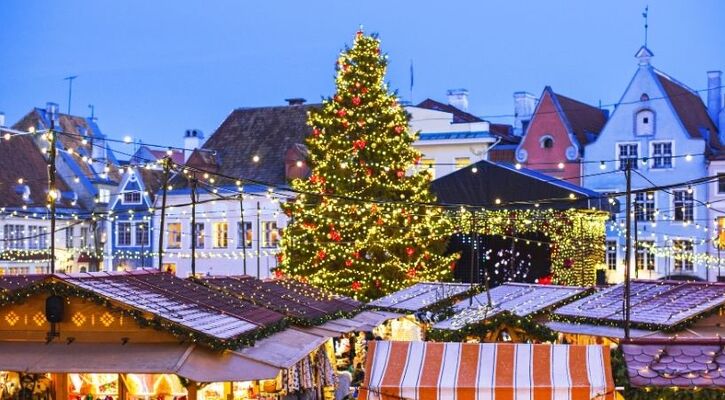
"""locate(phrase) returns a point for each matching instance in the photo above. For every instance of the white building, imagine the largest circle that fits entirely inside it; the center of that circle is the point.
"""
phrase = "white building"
(451, 138)
(716, 188)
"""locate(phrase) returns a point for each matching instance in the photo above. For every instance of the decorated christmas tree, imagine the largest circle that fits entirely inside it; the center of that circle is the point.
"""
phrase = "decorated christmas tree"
(365, 223)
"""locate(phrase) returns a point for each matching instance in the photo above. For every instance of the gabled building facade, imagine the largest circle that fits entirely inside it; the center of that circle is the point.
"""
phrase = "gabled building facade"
(132, 218)
(661, 129)
(554, 139)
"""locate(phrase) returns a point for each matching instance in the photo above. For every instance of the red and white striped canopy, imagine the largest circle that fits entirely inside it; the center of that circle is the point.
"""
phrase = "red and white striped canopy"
(490, 371)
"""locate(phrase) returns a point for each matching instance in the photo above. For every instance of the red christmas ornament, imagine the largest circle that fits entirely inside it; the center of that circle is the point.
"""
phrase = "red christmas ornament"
(452, 265)
(409, 251)
(341, 112)
(369, 171)
(356, 101)
(546, 280)
(400, 173)
(359, 144)
(316, 132)
(378, 283)
(278, 273)
(348, 263)
(356, 254)
(398, 129)
(379, 221)
(410, 273)
(321, 254)
(345, 124)
(356, 286)
(334, 235)
(338, 98)
(363, 90)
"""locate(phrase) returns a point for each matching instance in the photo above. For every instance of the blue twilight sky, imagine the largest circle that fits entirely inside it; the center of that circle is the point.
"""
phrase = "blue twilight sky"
(153, 68)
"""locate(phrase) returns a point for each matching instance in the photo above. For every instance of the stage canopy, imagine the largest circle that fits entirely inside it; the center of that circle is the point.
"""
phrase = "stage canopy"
(429, 370)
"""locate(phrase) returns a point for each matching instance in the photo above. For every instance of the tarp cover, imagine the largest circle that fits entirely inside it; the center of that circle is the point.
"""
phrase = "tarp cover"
(188, 361)
(428, 370)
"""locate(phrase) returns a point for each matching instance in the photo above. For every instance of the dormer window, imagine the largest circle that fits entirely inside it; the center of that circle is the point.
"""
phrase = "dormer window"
(644, 123)
(547, 142)
(132, 198)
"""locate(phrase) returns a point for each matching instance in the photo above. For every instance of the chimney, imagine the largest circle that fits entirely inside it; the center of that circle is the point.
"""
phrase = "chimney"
(458, 98)
(99, 150)
(524, 106)
(714, 104)
(51, 109)
(192, 141)
(295, 101)
(2, 119)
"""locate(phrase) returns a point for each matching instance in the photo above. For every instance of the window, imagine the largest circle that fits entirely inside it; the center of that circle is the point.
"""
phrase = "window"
(123, 232)
(720, 244)
(270, 235)
(221, 235)
(84, 238)
(173, 234)
(104, 196)
(644, 123)
(547, 142)
(142, 234)
(462, 162)
(244, 234)
(645, 257)
(429, 164)
(683, 254)
(69, 237)
(32, 237)
(611, 255)
(684, 205)
(662, 155)
(628, 155)
(132, 198)
(199, 235)
(721, 183)
(644, 206)
(42, 237)
(14, 236)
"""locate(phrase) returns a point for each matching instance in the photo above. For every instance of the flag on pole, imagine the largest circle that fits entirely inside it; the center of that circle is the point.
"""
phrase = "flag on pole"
(411, 81)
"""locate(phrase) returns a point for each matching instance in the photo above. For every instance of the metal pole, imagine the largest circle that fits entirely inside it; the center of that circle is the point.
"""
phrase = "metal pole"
(473, 253)
(52, 193)
(70, 89)
(166, 163)
(194, 237)
(259, 254)
(628, 248)
(636, 238)
(244, 233)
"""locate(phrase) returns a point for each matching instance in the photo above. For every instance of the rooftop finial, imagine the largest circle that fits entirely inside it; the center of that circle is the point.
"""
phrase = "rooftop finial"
(645, 15)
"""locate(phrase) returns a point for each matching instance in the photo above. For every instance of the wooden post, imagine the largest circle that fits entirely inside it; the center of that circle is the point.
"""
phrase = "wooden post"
(191, 390)
(166, 162)
(244, 233)
(52, 192)
(194, 234)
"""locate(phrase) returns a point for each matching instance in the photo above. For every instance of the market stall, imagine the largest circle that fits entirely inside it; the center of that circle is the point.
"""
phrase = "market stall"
(659, 309)
(150, 335)
(417, 305)
(512, 312)
(419, 370)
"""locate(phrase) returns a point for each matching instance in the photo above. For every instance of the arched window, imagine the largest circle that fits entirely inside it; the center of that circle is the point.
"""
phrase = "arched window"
(644, 123)
(546, 142)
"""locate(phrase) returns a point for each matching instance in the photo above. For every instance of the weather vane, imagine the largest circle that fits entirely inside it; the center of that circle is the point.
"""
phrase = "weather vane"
(645, 14)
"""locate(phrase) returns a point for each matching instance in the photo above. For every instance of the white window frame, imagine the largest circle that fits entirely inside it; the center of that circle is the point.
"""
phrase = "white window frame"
(616, 153)
(140, 197)
(717, 182)
(654, 207)
(168, 232)
(130, 233)
(268, 232)
(674, 208)
(647, 255)
(220, 236)
(609, 252)
(652, 154)
(104, 195)
(242, 235)
(683, 261)
(135, 234)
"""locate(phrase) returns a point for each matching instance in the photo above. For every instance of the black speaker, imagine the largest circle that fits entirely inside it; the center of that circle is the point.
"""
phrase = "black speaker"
(54, 306)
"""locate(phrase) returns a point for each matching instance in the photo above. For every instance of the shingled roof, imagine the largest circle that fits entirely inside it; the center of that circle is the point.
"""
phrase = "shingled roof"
(20, 157)
(690, 109)
(459, 116)
(585, 121)
(265, 132)
(75, 128)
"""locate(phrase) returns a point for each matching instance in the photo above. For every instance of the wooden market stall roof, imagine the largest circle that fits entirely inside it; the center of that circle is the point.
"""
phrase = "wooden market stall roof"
(417, 370)
(683, 363)
(293, 299)
(520, 299)
(655, 305)
(420, 296)
(194, 311)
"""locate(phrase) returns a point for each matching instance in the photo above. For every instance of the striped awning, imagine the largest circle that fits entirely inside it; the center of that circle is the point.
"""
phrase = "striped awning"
(495, 371)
